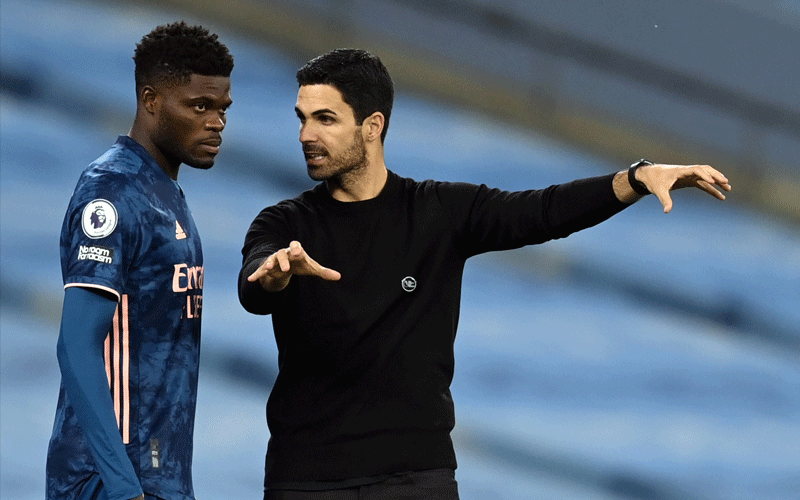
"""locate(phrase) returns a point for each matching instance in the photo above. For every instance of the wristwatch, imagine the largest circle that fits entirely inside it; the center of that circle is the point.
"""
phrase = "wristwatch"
(638, 186)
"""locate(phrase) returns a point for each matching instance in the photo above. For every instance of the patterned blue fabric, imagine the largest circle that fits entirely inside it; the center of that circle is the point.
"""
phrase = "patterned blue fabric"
(129, 231)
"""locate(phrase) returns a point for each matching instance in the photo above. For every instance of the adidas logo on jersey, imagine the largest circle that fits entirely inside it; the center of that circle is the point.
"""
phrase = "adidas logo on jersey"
(179, 233)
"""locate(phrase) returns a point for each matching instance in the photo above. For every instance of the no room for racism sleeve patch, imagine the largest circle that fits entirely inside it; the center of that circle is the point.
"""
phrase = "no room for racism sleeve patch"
(99, 219)
(96, 253)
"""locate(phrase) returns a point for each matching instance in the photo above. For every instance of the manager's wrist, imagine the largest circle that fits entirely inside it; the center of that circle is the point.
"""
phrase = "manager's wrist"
(638, 186)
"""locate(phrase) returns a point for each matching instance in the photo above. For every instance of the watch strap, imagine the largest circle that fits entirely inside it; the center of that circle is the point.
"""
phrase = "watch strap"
(637, 185)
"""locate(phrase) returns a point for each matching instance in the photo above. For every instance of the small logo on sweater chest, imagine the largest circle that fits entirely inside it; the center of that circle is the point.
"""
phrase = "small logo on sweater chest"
(409, 284)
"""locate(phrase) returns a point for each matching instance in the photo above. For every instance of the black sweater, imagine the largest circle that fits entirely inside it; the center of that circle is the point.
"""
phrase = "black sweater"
(365, 363)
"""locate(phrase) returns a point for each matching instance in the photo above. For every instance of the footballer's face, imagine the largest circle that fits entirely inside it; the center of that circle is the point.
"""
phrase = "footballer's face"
(190, 120)
(333, 143)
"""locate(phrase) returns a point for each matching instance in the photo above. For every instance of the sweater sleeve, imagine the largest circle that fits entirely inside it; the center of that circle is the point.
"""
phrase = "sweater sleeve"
(85, 322)
(267, 234)
(501, 220)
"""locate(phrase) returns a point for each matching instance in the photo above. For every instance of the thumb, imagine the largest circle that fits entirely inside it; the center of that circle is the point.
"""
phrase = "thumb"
(665, 199)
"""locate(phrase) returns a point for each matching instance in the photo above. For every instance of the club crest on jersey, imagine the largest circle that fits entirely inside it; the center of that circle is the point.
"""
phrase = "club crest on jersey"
(99, 219)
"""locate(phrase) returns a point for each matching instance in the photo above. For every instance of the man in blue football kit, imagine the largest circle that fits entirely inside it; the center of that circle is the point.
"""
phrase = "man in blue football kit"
(132, 265)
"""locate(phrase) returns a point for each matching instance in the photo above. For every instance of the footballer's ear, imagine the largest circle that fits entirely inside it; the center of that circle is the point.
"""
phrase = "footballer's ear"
(373, 126)
(148, 98)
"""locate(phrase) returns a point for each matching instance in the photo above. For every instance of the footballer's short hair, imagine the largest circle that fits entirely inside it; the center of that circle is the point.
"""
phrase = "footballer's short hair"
(359, 76)
(171, 53)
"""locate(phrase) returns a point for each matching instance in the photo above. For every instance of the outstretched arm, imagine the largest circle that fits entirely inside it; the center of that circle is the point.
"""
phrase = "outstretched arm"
(661, 179)
(275, 271)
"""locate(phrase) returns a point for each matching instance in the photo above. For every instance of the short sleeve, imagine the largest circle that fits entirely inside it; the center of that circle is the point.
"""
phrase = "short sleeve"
(100, 233)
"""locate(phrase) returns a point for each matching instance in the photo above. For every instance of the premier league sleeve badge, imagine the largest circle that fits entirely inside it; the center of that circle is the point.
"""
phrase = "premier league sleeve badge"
(99, 219)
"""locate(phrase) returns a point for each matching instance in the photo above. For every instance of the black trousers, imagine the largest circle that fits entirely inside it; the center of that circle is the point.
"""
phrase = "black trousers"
(437, 484)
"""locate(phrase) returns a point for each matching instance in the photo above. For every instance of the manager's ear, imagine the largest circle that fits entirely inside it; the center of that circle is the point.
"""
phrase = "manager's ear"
(373, 126)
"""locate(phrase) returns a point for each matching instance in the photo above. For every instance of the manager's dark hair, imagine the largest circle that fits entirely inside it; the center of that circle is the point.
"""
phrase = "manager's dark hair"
(170, 54)
(359, 76)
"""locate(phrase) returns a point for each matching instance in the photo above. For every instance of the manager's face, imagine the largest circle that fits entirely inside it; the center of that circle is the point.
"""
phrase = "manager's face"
(332, 141)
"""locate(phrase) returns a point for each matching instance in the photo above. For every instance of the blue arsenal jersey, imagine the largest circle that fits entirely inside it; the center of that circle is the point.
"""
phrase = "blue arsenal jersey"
(128, 231)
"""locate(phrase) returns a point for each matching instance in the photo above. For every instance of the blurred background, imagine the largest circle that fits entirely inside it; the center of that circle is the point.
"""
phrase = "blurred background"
(652, 357)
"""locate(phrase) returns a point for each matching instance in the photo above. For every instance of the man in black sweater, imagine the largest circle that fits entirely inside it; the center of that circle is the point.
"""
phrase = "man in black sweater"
(361, 407)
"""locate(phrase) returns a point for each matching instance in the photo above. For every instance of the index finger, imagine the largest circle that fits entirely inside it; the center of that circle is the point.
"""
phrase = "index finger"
(263, 269)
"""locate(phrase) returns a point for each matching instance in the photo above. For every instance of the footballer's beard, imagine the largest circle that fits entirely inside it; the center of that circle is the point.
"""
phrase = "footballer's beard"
(341, 168)
(175, 149)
